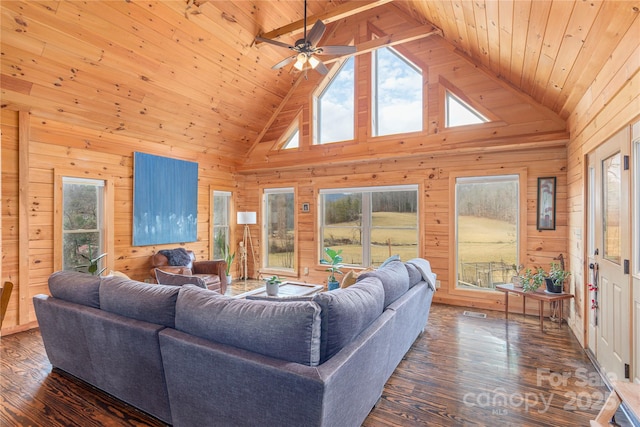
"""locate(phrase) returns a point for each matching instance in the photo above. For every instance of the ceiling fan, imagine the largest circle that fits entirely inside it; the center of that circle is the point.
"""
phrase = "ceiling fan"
(305, 49)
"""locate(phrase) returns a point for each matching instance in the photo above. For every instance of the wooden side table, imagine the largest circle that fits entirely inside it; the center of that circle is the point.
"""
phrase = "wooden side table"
(540, 296)
(622, 392)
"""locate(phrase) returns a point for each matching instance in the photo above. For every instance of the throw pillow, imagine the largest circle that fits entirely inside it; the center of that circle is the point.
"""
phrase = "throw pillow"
(349, 279)
(165, 278)
(390, 259)
(177, 256)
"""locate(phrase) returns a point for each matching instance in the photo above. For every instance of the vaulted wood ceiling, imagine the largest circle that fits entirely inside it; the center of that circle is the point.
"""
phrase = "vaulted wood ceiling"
(188, 74)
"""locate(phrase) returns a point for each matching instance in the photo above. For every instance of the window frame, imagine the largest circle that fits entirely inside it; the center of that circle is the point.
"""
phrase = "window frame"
(264, 223)
(230, 215)
(366, 224)
(108, 204)
(319, 92)
(375, 122)
(488, 294)
(286, 137)
(473, 110)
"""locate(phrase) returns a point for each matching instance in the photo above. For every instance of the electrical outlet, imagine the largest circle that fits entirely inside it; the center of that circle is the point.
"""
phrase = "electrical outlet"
(306, 271)
(437, 284)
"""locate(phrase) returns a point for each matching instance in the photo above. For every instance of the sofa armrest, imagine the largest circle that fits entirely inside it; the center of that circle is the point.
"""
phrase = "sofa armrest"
(217, 267)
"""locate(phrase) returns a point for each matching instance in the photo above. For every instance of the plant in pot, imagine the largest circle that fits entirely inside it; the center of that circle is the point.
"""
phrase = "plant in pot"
(334, 263)
(92, 267)
(557, 276)
(227, 255)
(531, 281)
(273, 283)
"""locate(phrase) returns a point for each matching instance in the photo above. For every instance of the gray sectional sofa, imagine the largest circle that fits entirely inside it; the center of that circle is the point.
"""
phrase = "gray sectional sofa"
(192, 357)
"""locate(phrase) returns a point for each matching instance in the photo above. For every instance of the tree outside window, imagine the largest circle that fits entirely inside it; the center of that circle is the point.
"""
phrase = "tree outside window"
(279, 228)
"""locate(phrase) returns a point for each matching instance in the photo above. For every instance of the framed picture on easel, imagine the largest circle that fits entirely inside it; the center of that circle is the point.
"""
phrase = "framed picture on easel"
(546, 203)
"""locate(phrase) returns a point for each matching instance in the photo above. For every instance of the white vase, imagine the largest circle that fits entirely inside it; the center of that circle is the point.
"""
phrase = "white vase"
(272, 289)
(229, 279)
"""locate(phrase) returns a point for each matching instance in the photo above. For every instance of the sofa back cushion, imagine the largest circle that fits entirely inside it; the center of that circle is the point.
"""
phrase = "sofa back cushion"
(166, 278)
(415, 276)
(394, 278)
(72, 286)
(347, 312)
(284, 330)
(140, 301)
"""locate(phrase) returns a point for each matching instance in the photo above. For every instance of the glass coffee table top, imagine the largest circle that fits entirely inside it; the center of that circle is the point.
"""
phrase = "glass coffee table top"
(286, 289)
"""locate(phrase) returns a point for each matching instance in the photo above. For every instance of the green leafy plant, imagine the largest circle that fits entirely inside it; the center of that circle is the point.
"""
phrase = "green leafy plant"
(92, 267)
(227, 255)
(557, 274)
(273, 280)
(532, 281)
(334, 263)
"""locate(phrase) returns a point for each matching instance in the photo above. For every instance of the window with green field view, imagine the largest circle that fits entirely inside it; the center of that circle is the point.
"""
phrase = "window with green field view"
(370, 224)
(221, 215)
(279, 228)
(82, 222)
(487, 216)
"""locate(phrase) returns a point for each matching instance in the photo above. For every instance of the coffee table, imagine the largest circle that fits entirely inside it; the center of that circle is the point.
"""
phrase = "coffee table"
(287, 289)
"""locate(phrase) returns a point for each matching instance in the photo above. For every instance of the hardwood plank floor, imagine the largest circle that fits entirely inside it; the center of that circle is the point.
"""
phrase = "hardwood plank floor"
(461, 371)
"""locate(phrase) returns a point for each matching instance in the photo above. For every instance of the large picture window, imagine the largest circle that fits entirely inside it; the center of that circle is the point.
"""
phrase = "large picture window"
(279, 232)
(335, 107)
(487, 219)
(370, 224)
(397, 93)
(221, 215)
(83, 223)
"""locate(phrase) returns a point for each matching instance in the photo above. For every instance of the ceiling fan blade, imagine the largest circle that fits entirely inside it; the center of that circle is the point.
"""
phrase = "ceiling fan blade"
(285, 61)
(321, 68)
(316, 32)
(336, 50)
(274, 42)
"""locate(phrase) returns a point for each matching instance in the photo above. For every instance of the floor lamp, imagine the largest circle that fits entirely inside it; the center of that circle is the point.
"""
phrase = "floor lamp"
(246, 218)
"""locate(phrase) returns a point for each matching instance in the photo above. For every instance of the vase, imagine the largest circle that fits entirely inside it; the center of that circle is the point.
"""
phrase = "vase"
(553, 288)
(229, 279)
(272, 289)
(333, 285)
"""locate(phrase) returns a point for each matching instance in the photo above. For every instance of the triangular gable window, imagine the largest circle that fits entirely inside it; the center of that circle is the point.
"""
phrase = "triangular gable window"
(459, 113)
(293, 141)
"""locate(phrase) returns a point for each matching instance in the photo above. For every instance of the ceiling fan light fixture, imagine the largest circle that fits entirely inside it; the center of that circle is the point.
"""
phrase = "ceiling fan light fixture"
(313, 61)
(301, 59)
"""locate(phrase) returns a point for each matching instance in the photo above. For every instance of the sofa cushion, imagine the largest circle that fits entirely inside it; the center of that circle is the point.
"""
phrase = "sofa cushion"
(415, 276)
(72, 286)
(284, 330)
(347, 312)
(166, 278)
(140, 301)
(394, 278)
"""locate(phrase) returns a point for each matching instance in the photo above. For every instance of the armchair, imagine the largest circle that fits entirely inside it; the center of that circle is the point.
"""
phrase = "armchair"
(212, 271)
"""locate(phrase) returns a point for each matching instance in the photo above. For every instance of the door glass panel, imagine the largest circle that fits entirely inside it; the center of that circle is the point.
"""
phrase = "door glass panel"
(611, 215)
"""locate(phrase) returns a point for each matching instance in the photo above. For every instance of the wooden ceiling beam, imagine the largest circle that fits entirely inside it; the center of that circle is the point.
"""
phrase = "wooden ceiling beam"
(392, 40)
(341, 11)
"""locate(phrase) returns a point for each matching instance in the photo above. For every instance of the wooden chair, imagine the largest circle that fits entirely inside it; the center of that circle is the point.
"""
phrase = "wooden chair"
(5, 294)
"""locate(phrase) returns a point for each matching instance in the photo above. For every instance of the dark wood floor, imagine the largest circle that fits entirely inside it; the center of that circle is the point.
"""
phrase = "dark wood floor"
(462, 371)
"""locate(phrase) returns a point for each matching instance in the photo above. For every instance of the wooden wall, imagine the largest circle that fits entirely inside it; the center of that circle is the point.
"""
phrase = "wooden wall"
(610, 103)
(431, 173)
(55, 145)
(521, 135)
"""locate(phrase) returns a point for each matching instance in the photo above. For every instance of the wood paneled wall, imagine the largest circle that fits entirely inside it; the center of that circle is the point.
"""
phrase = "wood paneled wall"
(55, 145)
(610, 103)
(431, 173)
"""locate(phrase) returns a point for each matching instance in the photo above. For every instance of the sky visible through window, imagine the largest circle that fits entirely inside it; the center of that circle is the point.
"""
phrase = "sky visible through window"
(294, 140)
(336, 105)
(398, 94)
(459, 113)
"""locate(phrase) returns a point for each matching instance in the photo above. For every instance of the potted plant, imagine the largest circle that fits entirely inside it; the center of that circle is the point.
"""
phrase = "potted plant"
(334, 263)
(557, 276)
(273, 283)
(532, 281)
(92, 267)
(228, 257)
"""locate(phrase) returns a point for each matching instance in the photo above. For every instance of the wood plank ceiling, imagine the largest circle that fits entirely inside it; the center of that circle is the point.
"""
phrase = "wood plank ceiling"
(187, 73)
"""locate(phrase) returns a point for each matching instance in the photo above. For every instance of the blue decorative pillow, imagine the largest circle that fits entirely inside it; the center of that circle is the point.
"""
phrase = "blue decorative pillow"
(177, 257)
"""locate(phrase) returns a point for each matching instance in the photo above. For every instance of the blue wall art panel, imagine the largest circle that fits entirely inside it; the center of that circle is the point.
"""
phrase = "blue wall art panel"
(165, 200)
